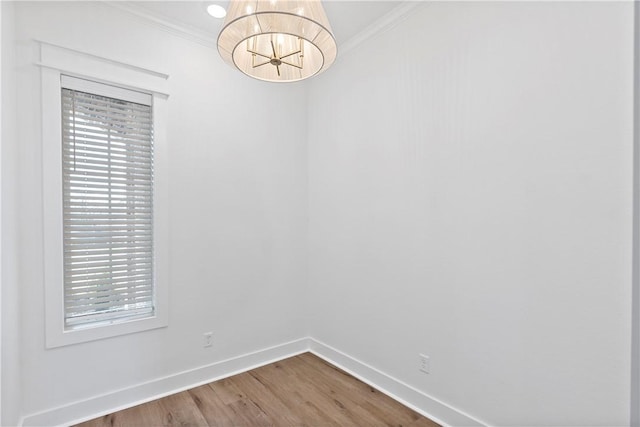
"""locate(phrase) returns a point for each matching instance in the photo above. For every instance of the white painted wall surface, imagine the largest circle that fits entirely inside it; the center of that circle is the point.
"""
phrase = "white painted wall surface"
(237, 209)
(10, 314)
(1, 212)
(470, 187)
(635, 311)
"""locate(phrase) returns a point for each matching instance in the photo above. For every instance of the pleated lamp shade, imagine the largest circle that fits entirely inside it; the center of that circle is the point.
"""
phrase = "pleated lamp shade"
(277, 40)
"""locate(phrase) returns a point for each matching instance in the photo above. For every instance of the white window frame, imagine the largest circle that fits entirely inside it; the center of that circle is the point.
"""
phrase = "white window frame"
(55, 62)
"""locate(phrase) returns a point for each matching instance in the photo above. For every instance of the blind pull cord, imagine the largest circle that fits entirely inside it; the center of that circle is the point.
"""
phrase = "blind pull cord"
(73, 106)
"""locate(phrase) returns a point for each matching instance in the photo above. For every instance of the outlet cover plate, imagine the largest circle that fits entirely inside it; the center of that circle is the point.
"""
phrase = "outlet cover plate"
(425, 364)
(207, 339)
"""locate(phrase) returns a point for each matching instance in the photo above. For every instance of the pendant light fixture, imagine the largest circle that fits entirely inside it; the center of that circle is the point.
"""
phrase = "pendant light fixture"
(277, 40)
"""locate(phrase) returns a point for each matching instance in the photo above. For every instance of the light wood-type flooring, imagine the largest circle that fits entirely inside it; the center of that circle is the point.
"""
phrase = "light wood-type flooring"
(302, 390)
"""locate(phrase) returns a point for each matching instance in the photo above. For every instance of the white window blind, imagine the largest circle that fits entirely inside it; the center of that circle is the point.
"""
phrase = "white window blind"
(107, 145)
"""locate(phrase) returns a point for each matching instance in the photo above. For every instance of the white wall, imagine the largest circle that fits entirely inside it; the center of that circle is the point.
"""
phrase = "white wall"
(237, 209)
(470, 187)
(10, 321)
(635, 340)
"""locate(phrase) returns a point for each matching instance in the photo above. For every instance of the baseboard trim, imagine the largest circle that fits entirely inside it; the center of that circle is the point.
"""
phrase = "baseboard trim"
(103, 404)
(409, 396)
(100, 405)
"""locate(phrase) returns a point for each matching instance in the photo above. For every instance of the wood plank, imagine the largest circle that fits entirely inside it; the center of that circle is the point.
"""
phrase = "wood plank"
(226, 391)
(213, 409)
(303, 390)
(319, 388)
(180, 410)
(148, 413)
(268, 401)
(242, 411)
(297, 394)
(358, 394)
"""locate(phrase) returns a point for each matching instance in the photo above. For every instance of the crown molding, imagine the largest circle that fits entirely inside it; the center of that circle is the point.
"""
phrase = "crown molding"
(185, 31)
(385, 23)
(181, 30)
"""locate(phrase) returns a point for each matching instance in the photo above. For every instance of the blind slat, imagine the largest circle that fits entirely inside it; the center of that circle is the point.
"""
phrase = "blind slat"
(100, 246)
(86, 268)
(77, 155)
(88, 175)
(109, 295)
(109, 299)
(106, 278)
(117, 147)
(80, 319)
(103, 139)
(105, 287)
(79, 252)
(133, 254)
(128, 265)
(83, 152)
(114, 166)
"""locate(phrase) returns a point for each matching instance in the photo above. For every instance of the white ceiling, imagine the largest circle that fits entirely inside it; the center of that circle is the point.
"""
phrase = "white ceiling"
(347, 18)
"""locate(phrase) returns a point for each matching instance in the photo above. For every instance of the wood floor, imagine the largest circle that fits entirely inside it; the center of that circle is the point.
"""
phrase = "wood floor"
(300, 391)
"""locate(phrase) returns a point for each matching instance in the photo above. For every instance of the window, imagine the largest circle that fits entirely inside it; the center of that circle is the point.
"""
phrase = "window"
(107, 170)
(105, 201)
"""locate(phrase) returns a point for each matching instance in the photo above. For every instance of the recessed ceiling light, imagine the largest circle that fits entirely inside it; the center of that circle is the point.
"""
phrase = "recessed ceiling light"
(216, 11)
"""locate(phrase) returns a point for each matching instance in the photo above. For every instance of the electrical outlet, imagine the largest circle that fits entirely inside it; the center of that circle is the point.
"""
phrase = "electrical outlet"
(425, 364)
(207, 340)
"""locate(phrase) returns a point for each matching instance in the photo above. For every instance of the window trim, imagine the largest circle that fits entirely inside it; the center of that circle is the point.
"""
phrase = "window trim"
(56, 334)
